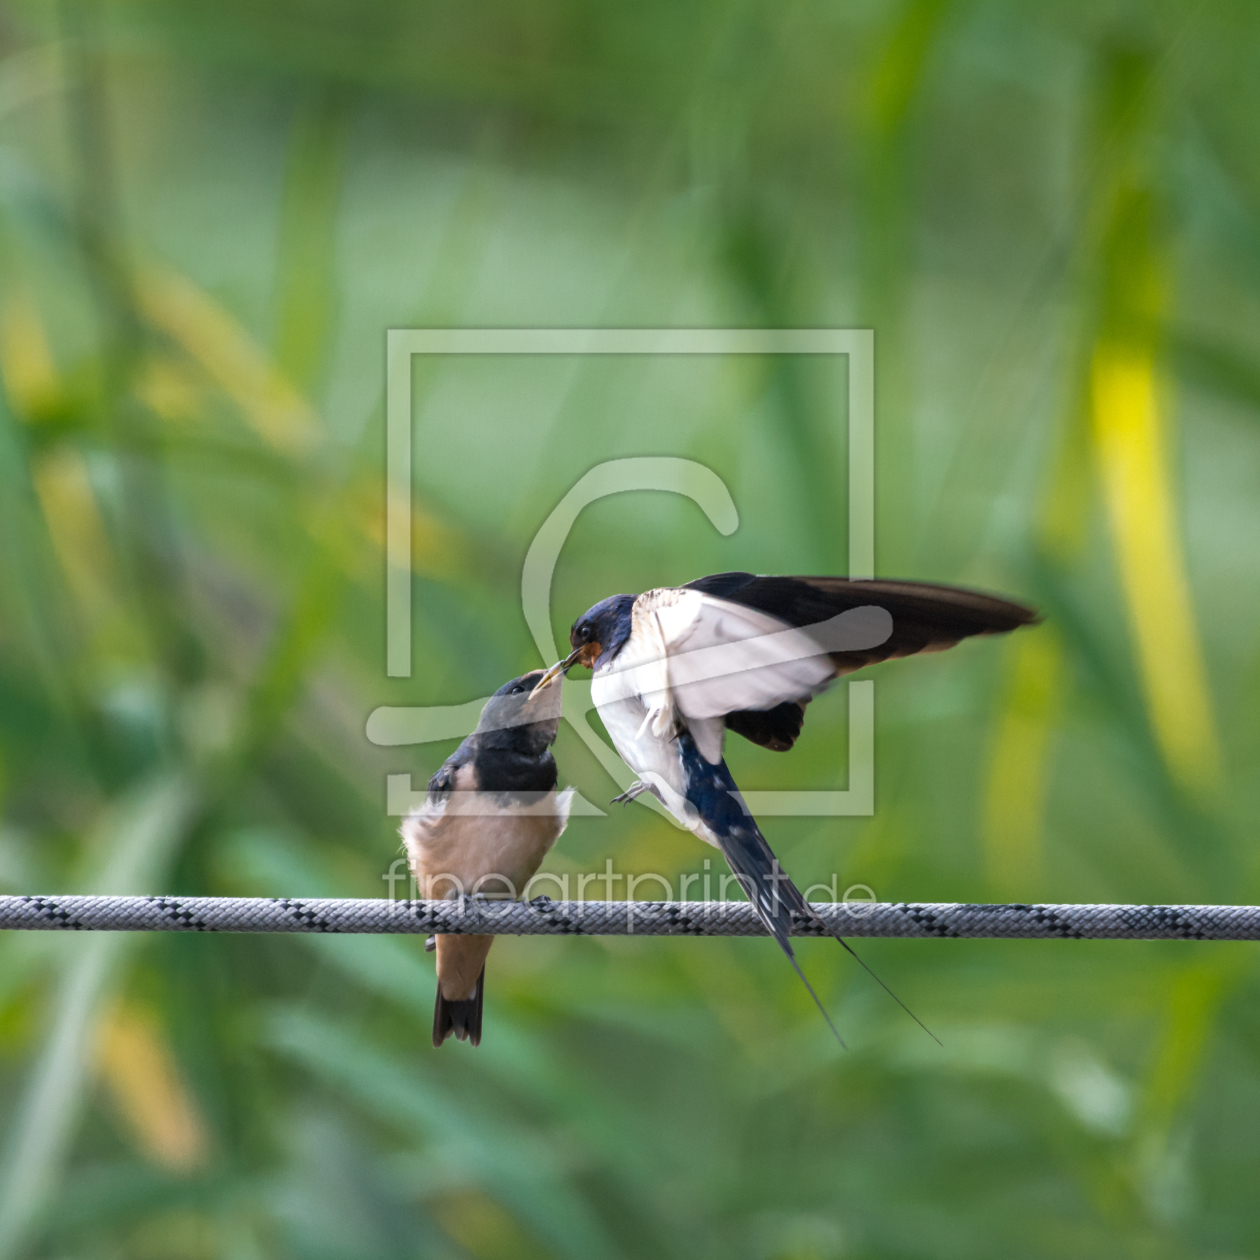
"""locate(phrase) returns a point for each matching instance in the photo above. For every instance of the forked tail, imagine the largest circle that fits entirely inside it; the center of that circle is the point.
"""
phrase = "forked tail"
(713, 792)
(459, 1018)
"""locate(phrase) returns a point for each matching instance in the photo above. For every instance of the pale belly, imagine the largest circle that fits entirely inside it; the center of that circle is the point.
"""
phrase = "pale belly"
(655, 760)
(491, 854)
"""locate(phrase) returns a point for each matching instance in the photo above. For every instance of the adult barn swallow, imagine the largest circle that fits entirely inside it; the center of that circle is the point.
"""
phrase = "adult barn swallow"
(676, 668)
(491, 815)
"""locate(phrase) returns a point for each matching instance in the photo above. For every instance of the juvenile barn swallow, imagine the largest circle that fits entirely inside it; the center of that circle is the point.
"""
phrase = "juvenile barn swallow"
(676, 668)
(491, 815)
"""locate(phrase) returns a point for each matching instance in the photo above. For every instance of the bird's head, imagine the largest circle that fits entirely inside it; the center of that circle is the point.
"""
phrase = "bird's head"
(520, 709)
(600, 632)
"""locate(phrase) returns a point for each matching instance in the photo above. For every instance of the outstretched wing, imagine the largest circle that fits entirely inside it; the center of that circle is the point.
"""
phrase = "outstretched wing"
(722, 657)
(925, 617)
(921, 618)
(699, 658)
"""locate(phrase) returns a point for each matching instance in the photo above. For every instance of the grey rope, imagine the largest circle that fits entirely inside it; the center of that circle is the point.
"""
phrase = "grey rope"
(544, 917)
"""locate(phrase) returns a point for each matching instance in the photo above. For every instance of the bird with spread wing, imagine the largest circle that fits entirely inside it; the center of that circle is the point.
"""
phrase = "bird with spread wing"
(676, 668)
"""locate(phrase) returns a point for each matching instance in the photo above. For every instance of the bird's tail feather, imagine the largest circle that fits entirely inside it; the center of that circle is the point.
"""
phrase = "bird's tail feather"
(460, 1018)
(717, 800)
(865, 967)
(772, 893)
(776, 899)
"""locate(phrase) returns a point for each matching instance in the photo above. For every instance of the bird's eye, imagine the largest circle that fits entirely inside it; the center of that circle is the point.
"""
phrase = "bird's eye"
(516, 691)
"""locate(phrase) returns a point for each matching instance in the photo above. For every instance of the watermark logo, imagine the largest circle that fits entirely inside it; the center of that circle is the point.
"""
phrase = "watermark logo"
(574, 890)
(398, 726)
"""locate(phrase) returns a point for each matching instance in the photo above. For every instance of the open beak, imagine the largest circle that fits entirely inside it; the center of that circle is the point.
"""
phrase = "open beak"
(560, 667)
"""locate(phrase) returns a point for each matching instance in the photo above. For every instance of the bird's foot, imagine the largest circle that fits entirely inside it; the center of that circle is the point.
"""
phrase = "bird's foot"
(430, 944)
(637, 788)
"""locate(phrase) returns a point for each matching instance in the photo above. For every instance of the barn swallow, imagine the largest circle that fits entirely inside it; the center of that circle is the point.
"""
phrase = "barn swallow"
(491, 815)
(676, 668)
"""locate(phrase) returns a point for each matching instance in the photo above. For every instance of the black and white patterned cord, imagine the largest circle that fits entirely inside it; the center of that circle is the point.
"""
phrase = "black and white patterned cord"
(544, 917)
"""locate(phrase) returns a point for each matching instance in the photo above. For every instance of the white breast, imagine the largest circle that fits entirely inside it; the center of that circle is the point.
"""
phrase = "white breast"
(655, 759)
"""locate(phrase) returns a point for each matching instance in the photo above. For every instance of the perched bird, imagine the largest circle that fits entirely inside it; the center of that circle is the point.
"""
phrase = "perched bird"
(491, 815)
(676, 668)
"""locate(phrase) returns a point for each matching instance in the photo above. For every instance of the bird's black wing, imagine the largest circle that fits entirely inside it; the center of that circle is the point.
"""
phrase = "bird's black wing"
(925, 618)
(775, 728)
(443, 782)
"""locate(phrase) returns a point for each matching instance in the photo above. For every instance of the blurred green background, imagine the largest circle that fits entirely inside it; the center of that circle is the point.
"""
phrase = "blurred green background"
(209, 216)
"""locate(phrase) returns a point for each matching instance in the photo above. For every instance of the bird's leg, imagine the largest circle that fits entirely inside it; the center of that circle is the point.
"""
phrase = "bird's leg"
(637, 788)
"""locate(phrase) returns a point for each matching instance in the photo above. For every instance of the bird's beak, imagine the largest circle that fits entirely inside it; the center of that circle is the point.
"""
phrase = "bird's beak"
(560, 667)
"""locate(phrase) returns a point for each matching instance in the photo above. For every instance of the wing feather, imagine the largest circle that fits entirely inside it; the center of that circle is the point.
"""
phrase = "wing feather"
(753, 651)
(701, 657)
(925, 618)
